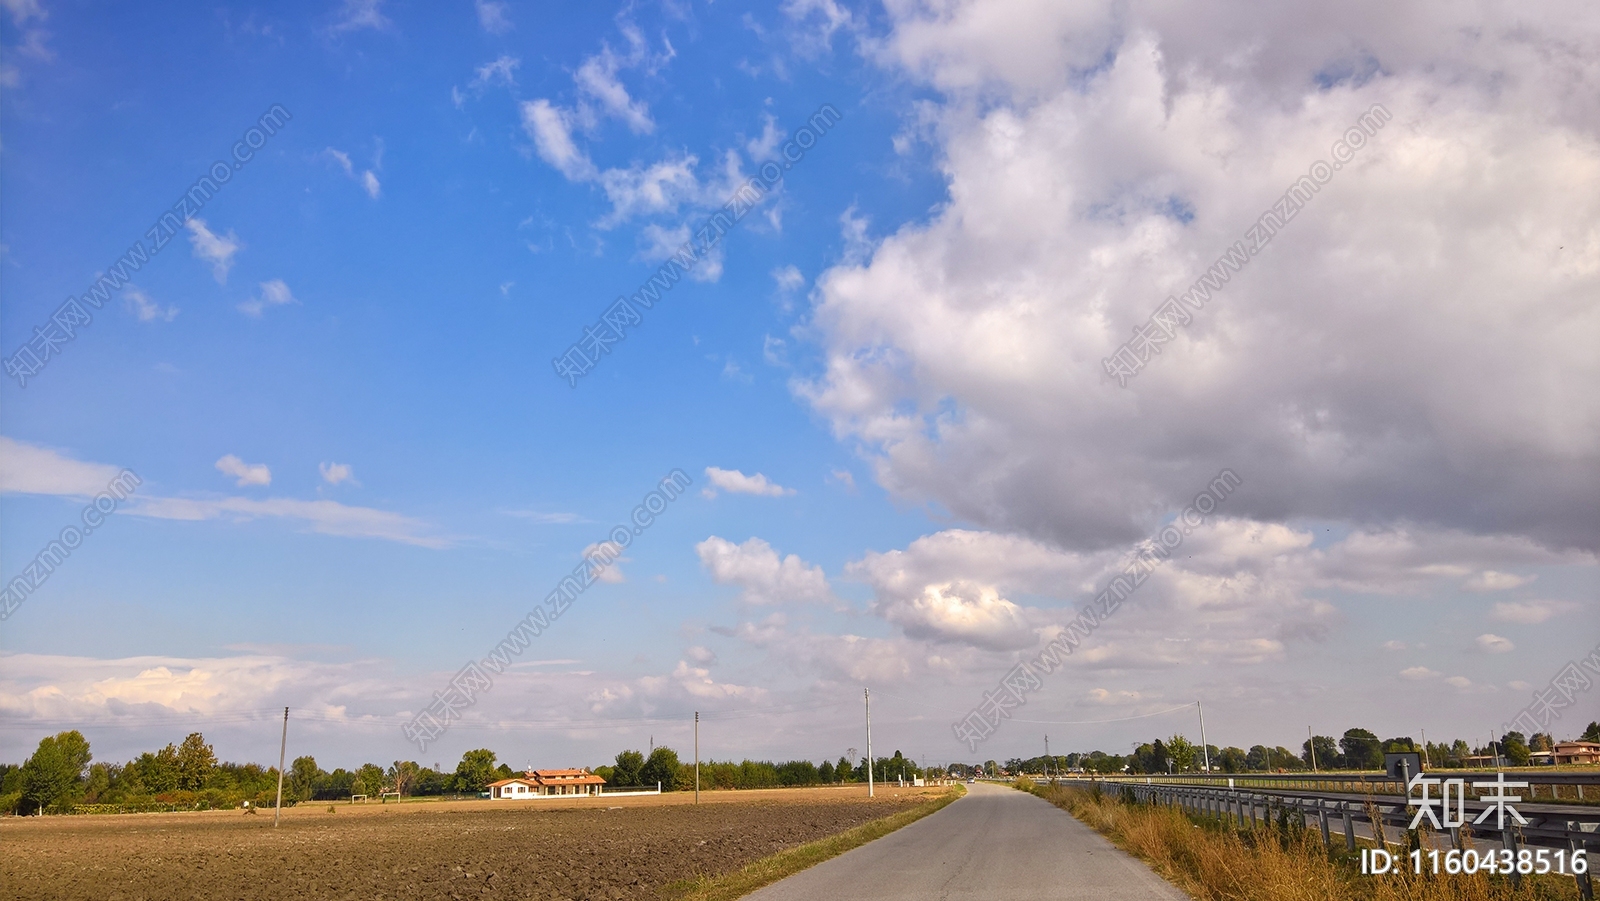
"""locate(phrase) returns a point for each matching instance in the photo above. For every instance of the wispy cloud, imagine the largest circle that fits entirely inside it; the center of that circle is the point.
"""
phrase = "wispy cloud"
(735, 482)
(147, 310)
(32, 469)
(246, 473)
(334, 473)
(218, 250)
(366, 177)
(357, 15)
(550, 127)
(549, 519)
(492, 16)
(1530, 613)
(274, 293)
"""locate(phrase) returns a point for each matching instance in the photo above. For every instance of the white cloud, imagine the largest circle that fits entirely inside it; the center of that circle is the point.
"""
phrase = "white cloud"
(366, 178)
(334, 473)
(765, 146)
(1490, 580)
(761, 575)
(1098, 156)
(218, 250)
(147, 310)
(492, 16)
(502, 71)
(1530, 612)
(1519, 685)
(817, 21)
(355, 15)
(1494, 644)
(31, 469)
(546, 518)
(550, 127)
(246, 473)
(788, 278)
(321, 516)
(609, 573)
(597, 79)
(274, 293)
(1461, 682)
(735, 482)
(1418, 672)
(1394, 646)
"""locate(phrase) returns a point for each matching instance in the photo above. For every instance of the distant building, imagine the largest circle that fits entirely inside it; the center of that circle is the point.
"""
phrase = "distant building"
(546, 784)
(1576, 752)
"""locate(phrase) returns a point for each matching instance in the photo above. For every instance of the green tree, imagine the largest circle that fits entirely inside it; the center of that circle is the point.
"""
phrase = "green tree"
(1515, 748)
(629, 765)
(475, 771)
(842, 769)
(1232, 760)
(1327, 752)
(662, 767)
(825, 773)
(53, 777)
(1362, 750)
(1183, 753)
(301, 782)
(195, 762)
(370, 779)
(1592, 733)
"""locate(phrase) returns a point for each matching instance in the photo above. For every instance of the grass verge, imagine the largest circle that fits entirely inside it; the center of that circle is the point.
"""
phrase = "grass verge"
(1212, 862)
(770, 869)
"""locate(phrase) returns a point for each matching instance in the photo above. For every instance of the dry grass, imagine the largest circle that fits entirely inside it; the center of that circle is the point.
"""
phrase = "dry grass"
(770, 869)
(1213, 863)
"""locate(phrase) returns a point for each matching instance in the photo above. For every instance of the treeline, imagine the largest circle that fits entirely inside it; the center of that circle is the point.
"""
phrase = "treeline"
(61, 777)
(1357, 749)
(631, 768)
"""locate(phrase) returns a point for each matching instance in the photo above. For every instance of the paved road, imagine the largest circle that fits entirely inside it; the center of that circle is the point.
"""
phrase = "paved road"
(996, 844)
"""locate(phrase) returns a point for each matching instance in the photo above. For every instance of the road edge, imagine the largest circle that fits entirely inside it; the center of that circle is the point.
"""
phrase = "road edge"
(767, 870)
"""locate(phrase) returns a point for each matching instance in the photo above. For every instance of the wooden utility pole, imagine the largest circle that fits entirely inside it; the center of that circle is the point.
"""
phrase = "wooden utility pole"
(868, 695)
(283, 745)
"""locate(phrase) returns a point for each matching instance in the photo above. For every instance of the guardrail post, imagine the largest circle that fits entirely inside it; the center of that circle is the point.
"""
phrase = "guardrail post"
(1585, 881)
(1322, 823)
(1349, 826)
(1508, 839)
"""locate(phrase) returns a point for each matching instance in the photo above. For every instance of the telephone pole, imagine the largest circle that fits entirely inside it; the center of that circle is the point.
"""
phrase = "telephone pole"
(697, 757)
(1047, 757)
(867, 693)
(1203, 749)
(283, 745)
(1311, 742)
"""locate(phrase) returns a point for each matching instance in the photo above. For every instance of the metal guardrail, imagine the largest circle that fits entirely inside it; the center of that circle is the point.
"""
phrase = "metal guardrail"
(1548, 825)
(1556, 785)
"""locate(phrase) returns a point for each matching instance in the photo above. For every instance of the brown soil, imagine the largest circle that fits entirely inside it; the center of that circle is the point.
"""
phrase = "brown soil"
(581, 849)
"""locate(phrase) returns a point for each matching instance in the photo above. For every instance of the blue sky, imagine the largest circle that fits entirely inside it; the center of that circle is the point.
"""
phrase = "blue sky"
(359, 468)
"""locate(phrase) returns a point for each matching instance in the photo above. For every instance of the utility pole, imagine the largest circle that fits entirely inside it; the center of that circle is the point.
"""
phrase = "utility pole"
(1205, 751)
(697, 757)
(1425, 760)
(1311, 742)
(283, 745)
(1047, 757)
(867, 693)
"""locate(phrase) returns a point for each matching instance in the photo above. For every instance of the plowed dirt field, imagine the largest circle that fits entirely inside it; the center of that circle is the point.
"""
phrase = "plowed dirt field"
(592, 849)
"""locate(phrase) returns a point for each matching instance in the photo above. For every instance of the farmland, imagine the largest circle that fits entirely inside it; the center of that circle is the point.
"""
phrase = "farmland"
(585, 849)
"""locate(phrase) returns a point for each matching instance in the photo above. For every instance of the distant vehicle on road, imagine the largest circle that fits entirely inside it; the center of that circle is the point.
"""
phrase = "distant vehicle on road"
(971, 781)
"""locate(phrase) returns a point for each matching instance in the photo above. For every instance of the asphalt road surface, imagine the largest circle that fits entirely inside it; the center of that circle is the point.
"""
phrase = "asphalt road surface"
(996, 844)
